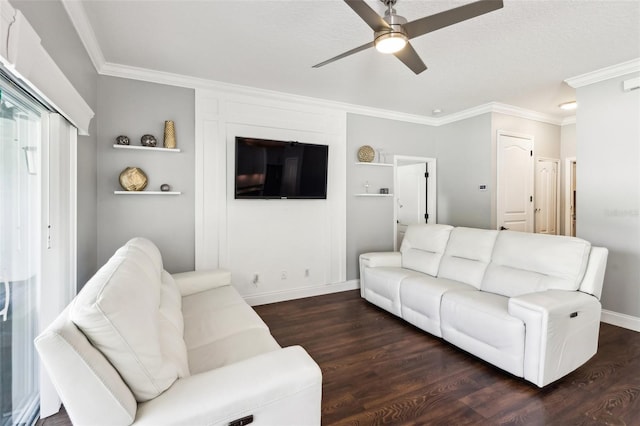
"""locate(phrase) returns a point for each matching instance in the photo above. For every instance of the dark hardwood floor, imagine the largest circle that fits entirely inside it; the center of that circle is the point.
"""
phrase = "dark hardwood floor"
(377, 369)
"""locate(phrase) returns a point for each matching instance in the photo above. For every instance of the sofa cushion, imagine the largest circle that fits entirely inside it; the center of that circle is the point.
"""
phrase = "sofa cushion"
(118, 311)
(525, 263)
(423, 246)
(467, 255)
(421, 296)
(479, 323)
(383, 286)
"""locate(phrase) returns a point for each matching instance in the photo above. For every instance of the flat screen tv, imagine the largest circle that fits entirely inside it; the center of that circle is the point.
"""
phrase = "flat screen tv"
(278, 169)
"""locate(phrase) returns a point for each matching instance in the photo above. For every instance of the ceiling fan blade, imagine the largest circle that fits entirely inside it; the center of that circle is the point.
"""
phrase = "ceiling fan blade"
(345, 54)
(367, 14)
(449, 17)
(410, 58)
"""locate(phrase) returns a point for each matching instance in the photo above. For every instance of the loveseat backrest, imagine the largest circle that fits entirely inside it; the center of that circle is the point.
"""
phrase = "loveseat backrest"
(423, 246)
(524, 263)
(130, 310)
(467, 255)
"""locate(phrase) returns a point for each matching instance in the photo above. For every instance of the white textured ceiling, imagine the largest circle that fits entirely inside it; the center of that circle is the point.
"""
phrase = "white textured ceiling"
(519, 55)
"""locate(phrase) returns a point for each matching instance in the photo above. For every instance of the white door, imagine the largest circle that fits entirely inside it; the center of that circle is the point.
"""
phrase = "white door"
(414, 183)
(515, 182)
(546, 198)
(412, 190)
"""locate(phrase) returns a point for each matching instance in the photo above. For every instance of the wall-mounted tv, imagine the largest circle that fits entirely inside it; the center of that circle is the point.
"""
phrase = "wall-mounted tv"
(279, 169)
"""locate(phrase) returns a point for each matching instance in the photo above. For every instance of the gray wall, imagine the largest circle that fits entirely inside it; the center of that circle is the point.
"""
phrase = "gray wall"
(464, 162)
(134, 108)
(369, 220)
(61, 41)
(608, 179)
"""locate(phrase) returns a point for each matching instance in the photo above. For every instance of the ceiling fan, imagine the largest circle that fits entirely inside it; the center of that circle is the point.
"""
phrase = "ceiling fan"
(392, 32)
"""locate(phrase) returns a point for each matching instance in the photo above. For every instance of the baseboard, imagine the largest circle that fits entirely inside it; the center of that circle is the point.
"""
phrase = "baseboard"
(299, 293)
(621, 320)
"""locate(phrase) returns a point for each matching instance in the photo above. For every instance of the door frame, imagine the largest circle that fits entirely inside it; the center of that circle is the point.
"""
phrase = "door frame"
(432, 188)
(567, 193)
(558, 187)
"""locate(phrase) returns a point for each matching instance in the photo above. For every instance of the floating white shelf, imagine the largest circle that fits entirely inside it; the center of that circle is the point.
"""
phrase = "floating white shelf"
(147, 192)
(363, 163)
(373, 195)
(146, 148)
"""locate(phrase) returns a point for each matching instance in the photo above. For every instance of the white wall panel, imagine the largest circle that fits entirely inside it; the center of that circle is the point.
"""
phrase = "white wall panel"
(292, 245)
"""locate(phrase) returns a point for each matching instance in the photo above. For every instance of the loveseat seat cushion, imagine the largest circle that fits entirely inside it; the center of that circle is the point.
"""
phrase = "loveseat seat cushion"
(172, 325)
(423, 246)
(467, 255)
(421, 296)
(220, 329)
(479, 322)
(118, 311)
(525, 263)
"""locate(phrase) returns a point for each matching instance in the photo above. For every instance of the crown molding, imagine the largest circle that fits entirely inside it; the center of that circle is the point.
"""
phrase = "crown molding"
(171, 79)
(603, 74)
(569, 120)
(525, 113)
(77, 14)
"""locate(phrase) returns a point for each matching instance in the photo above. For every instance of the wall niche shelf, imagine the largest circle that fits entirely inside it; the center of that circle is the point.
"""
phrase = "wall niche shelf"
(147, 192)
(146, 148)
(363, 163)
(373, 195)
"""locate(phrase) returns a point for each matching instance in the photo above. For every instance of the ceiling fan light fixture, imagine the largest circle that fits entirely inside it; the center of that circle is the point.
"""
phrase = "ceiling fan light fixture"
(390, 42)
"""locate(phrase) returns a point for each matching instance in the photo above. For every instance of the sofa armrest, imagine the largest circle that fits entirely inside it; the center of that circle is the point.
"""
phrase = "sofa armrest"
(377, 260)
(561, 332)
(197, 281)
(594, 275)
(381, 259)
(282, 387)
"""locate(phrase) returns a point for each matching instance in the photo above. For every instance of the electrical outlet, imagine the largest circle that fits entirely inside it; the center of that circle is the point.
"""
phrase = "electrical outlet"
(256, 279)
(283, 275)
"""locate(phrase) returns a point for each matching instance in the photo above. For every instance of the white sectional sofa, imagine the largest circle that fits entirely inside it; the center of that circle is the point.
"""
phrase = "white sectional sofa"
(526, 303)
(141, 346)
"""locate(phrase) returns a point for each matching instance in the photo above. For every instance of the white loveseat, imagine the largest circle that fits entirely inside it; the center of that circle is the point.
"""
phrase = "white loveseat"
(526, 303)
(141, 346)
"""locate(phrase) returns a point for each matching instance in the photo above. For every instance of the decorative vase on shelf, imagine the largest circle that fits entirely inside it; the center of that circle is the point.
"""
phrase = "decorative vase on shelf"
(133, 179)
(169, 134)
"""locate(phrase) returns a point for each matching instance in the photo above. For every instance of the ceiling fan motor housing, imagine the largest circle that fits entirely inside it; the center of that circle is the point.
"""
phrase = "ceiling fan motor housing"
(395, 29)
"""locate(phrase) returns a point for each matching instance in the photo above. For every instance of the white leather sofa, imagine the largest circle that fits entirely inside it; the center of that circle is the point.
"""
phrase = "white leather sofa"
(141, 346)
(526, 303)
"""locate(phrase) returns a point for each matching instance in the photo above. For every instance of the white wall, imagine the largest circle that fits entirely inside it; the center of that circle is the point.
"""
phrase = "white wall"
(296, 247)
(608, 178)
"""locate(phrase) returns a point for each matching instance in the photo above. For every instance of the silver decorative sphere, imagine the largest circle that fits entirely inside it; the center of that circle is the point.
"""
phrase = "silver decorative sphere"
(148, 140)
(122, 140)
